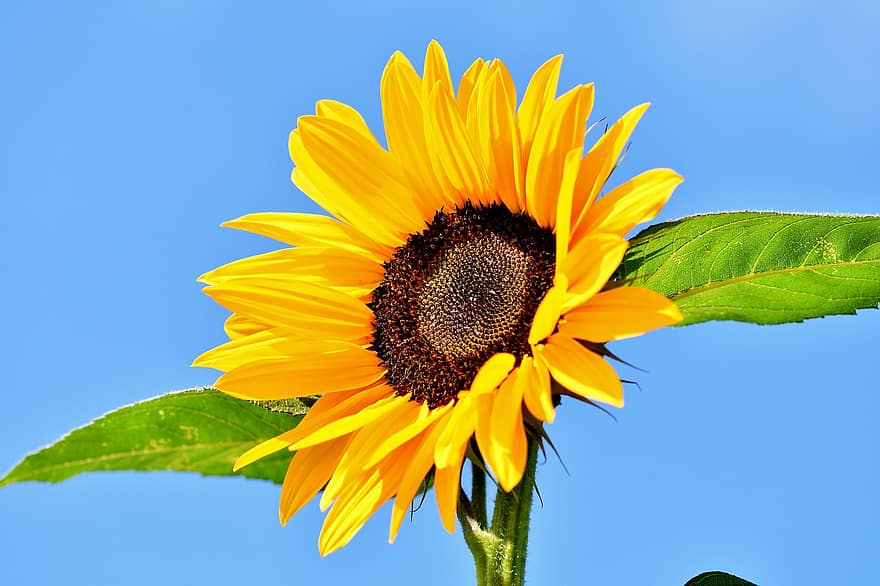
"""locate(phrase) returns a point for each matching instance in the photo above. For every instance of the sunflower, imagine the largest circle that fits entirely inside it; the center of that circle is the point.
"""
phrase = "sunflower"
(461, 286)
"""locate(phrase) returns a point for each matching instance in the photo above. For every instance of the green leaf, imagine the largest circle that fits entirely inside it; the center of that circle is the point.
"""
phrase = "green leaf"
(199, 430)
(717, 579)
(759, 267)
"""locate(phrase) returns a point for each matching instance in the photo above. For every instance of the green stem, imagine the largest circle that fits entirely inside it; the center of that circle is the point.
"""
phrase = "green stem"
(500, 550)
(472, 516)
(478, 494)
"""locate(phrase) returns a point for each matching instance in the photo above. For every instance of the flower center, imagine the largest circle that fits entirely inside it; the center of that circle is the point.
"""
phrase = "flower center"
(458, 292)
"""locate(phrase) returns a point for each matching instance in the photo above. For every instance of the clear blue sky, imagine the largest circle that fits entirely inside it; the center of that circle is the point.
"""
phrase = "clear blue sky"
(131, 132)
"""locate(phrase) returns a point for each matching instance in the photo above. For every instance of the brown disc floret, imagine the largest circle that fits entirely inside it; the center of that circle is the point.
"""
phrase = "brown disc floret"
(456, 293)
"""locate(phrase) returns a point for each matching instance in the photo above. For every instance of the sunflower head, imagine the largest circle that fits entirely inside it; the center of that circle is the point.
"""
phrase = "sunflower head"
(459, 292)
(459, 284)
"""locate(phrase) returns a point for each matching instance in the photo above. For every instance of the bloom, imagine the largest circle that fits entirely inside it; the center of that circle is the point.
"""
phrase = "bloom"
(466, 267)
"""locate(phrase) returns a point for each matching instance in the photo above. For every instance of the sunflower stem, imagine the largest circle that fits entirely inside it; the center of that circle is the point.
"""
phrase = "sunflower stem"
(474, 534)
(478, 495)
(500, 550)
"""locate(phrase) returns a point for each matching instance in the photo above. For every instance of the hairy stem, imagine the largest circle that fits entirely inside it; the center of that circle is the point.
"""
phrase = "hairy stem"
(500, 550)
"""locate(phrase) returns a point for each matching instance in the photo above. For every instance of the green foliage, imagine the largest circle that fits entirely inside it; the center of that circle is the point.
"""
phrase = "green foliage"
(199, 430)
(760, 267)
(717, 579)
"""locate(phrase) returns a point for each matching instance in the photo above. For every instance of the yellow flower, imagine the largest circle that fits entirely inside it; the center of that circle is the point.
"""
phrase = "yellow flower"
(467, 267)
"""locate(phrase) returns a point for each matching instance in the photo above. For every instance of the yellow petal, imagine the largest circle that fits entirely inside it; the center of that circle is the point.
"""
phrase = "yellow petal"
(492, 373)
(395, 438)
(352, 509)
(298, 229)
(363, 498)
(350, 423)
(560, 130)
(261, 450)
(466, 86)
(539, 94)
(309, 470)
(536, 388)
(508, 435)
(482, 429)
(308, 309)
(347, 115)
(325, 173)
(497, 67)
(353, 178)
(499, 141)
(403, 114)
(563, 205)
(308, 373)
(367, 173)
(474, 123)
(237, 326)
(446, 486)
(600, 162)
(589, 265)
(636, 201)
(348, 515)
(351, 272)
(458, 430)
(328, 409)
(619, 313)
(401, 415)
(417, 468)
(437, 70)
(324, 408)
(452, 153)
(549, 310)
(263, 344)
(580, 371)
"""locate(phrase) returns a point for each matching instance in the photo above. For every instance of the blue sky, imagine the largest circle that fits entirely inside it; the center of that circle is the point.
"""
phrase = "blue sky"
(131, 131)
